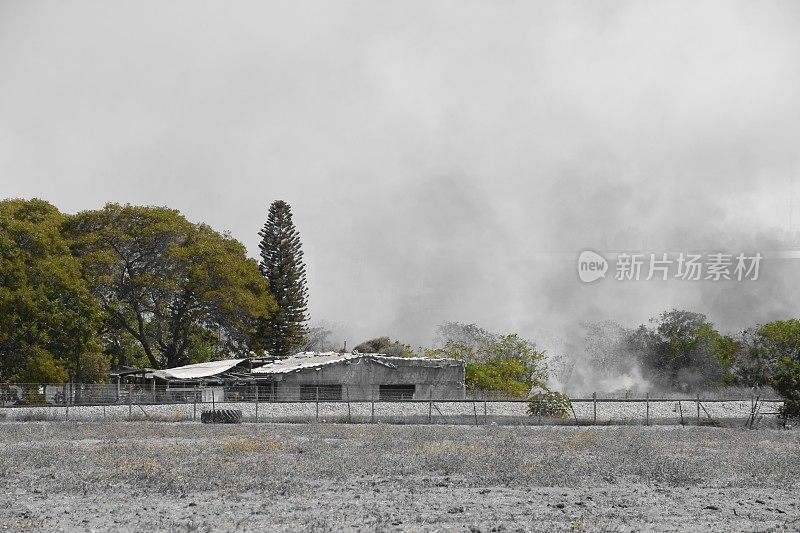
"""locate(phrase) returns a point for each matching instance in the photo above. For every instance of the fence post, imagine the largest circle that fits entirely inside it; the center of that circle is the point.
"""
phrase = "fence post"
(66, 403)
(194, 403)
(317, 404)
(754, 412)
(349, 417)
(372, 400)
(475, 410)
(594, 408)
(256, 401)
(430, 405)
(485, 410)
(698, 409)
(130, 404)
(647, 407)
(154, 390)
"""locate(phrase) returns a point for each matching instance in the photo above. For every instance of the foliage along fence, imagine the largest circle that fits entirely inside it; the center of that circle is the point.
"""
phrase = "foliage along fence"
(186, 403)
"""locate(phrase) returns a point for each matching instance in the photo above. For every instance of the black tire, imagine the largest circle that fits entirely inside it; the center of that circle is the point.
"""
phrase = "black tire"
(221, 416)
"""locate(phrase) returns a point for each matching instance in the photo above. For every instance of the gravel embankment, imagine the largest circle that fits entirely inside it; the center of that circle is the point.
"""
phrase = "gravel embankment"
(443, 412)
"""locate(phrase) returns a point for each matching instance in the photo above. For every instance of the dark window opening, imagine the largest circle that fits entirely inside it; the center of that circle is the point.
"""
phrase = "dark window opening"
(394, 393)
(326, 392)
(268, 392)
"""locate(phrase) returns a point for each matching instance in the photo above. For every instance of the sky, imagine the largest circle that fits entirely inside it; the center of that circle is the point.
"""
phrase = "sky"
(445, 160)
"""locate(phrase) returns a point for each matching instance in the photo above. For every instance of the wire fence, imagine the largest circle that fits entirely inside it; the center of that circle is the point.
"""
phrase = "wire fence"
(262, 403)
(28, 394)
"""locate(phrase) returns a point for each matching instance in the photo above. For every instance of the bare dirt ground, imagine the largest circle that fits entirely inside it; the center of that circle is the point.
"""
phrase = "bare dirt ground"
(135, 476)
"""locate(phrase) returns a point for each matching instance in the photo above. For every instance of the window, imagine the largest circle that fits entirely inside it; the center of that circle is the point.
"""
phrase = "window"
(394, 393)
(268, 392)
(326, 392)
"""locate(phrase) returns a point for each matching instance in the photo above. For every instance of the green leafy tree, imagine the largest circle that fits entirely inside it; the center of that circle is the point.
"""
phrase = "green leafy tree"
(503, 363)
(787, 382)
(777, 345)
(182, 291)
(683, 350)
(753, 364)
(121, 347)
(40, 366)
(48, 317)
(501, 375)
(385, 345)
(282, 264)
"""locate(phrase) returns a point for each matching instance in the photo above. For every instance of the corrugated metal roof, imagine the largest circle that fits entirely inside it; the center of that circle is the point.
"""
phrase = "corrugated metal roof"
(308, 360)
(200, 370)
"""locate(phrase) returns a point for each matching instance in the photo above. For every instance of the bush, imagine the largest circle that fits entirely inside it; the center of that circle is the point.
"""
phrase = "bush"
(789, 410)
(550, 403)
(787, 383)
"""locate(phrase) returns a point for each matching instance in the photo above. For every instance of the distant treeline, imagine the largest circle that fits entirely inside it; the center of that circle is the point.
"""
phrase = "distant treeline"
(682, 350)
(676, 351)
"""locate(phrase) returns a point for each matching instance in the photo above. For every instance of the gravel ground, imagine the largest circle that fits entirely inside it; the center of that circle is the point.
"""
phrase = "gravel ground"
(136, 476)
(411, 412)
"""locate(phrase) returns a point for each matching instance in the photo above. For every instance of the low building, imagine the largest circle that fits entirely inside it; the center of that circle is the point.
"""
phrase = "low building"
(212, 376)
(360, 377)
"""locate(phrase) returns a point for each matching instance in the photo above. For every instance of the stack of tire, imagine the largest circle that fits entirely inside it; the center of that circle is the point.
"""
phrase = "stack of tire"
(221, 416)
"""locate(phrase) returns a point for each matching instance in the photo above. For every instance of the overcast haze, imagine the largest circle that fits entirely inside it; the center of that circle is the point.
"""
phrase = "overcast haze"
(443, 160)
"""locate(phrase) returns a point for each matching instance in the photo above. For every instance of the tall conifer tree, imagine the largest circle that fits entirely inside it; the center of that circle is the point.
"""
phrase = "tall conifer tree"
(282, 264)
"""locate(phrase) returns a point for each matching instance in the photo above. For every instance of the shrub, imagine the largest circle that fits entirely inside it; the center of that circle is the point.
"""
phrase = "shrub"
(549, 403)
(789, 410)
(787, 383)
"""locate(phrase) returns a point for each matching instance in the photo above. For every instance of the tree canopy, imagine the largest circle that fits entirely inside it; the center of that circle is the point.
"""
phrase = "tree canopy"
(183, 292)
(682, 350)
(774, 354)
(494, 362)
(48, 317)
(385, 345)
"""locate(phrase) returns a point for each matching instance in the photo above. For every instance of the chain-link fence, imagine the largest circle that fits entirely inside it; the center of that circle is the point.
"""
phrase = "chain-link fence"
(260, 403)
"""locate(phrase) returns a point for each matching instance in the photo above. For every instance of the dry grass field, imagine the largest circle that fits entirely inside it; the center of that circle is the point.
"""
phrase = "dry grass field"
(138, 476)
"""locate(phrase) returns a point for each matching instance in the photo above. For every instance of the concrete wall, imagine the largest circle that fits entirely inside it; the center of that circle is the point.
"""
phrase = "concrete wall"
(361, 379)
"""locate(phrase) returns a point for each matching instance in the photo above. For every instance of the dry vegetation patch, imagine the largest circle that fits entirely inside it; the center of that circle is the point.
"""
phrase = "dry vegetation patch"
(340, 476)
